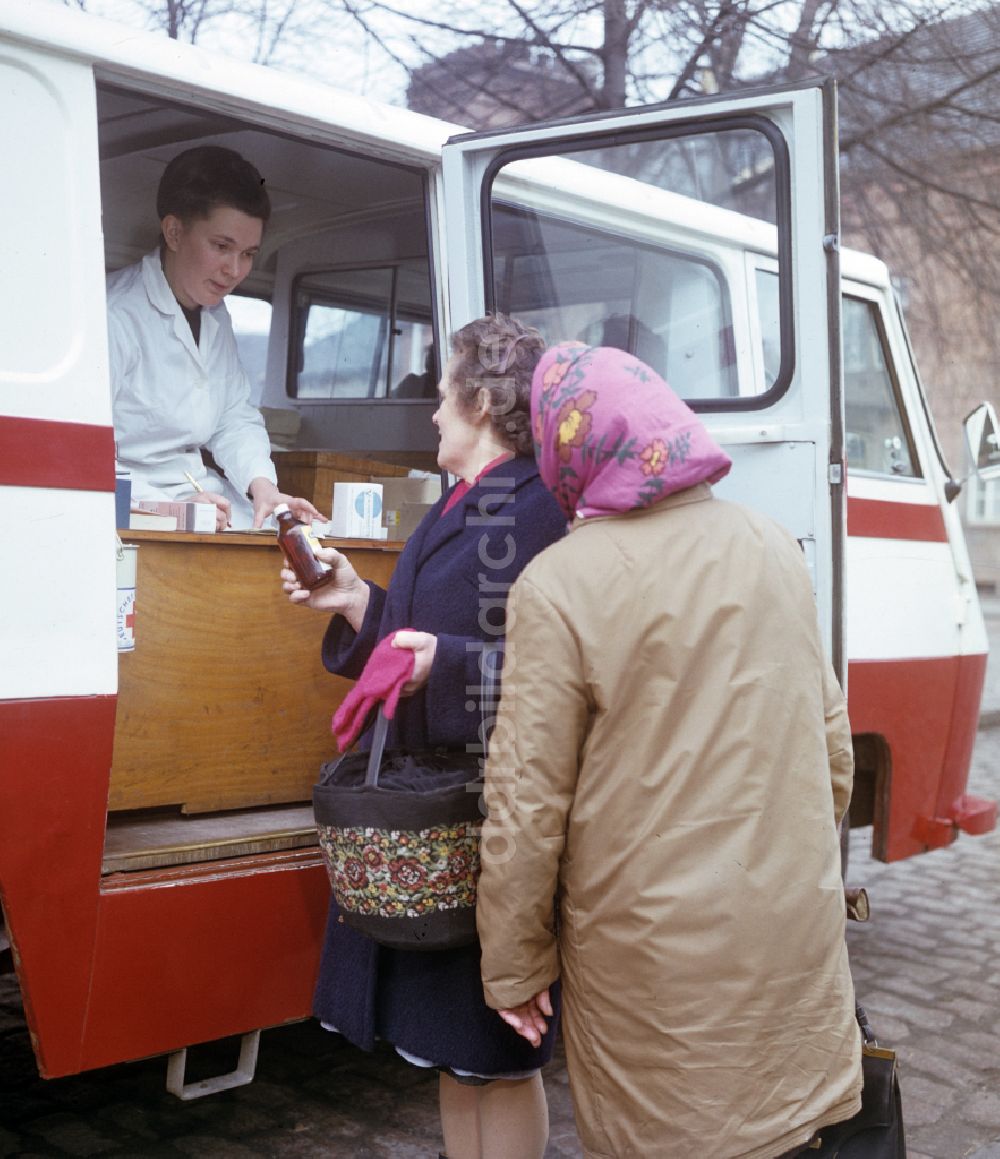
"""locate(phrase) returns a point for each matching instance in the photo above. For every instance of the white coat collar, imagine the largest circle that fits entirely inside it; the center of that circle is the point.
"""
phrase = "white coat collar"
(161, 297)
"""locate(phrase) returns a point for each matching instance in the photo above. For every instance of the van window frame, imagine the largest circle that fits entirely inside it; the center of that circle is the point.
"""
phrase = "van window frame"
(557, 146)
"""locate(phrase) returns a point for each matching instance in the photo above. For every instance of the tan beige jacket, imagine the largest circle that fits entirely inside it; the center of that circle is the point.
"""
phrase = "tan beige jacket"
(673, 756)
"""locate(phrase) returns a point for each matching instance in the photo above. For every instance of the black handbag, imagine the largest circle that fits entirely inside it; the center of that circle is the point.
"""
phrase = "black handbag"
(876, 1131)
(400, 833)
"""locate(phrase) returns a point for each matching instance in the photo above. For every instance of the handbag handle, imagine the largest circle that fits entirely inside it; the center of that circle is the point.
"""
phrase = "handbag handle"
(489, 666)
(867, 1034)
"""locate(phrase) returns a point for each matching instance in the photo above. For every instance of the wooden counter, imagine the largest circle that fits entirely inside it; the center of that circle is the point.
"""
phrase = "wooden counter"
(224, 704)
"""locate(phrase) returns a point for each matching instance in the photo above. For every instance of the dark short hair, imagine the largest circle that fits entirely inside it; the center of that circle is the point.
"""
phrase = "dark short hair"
(207, 178)
(498, 354)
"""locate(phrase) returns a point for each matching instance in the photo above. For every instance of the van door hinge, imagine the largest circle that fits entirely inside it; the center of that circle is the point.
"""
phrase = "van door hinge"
(831, 243)
(835, 474)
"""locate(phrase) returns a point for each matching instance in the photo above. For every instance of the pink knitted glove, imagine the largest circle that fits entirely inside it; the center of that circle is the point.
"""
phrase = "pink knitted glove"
(383, 677)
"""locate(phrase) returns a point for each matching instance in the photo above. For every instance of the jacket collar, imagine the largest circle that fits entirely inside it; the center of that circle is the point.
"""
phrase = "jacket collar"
(699, 493)
(503, 480)
(485, 501)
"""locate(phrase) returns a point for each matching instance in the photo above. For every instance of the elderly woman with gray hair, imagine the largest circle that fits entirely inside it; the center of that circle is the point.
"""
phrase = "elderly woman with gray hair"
(450, 588)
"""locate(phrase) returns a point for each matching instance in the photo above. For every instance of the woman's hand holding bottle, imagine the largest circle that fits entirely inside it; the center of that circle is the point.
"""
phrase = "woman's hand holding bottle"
(346, 594)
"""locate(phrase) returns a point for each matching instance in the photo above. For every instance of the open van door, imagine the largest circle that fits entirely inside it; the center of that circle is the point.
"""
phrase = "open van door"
(652, 229)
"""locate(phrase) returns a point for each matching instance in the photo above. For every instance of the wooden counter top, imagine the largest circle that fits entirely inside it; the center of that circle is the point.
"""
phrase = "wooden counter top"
(255, 539)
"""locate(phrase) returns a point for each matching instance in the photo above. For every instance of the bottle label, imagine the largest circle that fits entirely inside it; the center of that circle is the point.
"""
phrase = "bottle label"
(314, 544)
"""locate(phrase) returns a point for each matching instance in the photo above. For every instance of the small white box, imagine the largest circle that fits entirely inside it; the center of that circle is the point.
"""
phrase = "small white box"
(357, 511)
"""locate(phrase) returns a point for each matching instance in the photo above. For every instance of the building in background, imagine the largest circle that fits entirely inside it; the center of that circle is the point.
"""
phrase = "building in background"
(499, 83)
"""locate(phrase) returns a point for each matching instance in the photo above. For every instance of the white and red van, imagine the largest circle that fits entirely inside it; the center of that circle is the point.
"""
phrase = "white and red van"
(160, 882)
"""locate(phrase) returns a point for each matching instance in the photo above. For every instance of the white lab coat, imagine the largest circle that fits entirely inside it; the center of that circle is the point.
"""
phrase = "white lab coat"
(170, 398)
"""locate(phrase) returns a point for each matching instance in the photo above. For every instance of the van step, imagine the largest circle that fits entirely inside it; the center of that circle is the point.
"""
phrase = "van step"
(156, 839)
(240, 1077)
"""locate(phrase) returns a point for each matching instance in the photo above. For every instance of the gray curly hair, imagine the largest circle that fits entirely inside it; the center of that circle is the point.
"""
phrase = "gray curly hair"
(498, 354)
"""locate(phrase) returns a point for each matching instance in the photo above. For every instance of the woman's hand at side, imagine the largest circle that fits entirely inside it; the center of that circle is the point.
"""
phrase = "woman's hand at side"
(345, 595)
(424, 647)
(529, 1019)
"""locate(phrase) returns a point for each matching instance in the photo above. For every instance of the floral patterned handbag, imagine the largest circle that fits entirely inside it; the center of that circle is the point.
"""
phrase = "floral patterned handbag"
(400, 835)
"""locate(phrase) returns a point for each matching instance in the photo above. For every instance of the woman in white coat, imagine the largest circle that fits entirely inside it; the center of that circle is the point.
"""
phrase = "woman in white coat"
(176, 378)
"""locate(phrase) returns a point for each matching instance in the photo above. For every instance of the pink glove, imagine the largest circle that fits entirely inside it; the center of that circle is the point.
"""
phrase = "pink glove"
(383, 677)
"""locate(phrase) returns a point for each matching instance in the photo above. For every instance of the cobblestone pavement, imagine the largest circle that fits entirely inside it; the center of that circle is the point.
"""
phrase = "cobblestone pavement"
(927, 968)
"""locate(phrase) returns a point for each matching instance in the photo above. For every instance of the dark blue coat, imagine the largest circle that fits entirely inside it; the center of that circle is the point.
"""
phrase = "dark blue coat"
(452, 579)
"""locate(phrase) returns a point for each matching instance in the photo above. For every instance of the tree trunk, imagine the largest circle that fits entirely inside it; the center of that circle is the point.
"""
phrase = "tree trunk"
(614, 54)
(802, 42)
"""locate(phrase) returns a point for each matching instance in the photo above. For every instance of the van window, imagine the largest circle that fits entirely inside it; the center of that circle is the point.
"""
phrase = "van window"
(770, 324)
(877, 437)
(251, 318)
(669, 308)
(363, 333)
(592, 259)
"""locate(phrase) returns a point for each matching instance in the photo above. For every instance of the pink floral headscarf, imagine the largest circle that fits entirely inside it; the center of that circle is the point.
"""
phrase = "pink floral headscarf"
(611, 436)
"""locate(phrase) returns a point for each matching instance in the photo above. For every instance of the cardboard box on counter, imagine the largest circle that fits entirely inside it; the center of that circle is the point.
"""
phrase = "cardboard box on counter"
(197, 517)
(123, 497)
(312, 474)
(406, 501)
(402, 522)
(151, 521)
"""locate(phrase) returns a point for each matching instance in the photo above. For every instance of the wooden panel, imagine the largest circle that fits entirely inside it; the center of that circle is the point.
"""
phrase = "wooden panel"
(312, 474)
(224, 703)
(147, 840)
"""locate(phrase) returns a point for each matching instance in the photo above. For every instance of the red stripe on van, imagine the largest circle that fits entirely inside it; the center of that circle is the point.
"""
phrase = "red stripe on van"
(40, 453)
(882, 519)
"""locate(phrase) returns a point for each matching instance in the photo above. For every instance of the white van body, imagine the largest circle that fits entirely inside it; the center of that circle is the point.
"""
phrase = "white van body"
(393, 229)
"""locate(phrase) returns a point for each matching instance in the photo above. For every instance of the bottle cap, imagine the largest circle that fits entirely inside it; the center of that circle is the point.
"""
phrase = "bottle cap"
(280, 509)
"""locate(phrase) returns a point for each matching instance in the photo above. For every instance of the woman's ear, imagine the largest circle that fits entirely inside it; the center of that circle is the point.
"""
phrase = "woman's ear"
(484, 404)
(172, 227)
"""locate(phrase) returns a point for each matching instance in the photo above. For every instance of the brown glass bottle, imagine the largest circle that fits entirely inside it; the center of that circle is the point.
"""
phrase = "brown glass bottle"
(295, 540)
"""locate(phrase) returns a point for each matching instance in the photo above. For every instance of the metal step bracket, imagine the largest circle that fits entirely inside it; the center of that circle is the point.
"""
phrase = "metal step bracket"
(240, 1077)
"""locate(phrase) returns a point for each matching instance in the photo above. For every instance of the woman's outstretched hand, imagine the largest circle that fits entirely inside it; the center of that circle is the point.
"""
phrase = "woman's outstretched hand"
(265, 496)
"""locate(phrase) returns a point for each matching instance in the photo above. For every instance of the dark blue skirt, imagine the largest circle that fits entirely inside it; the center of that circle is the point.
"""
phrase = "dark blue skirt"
(429, 1004)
